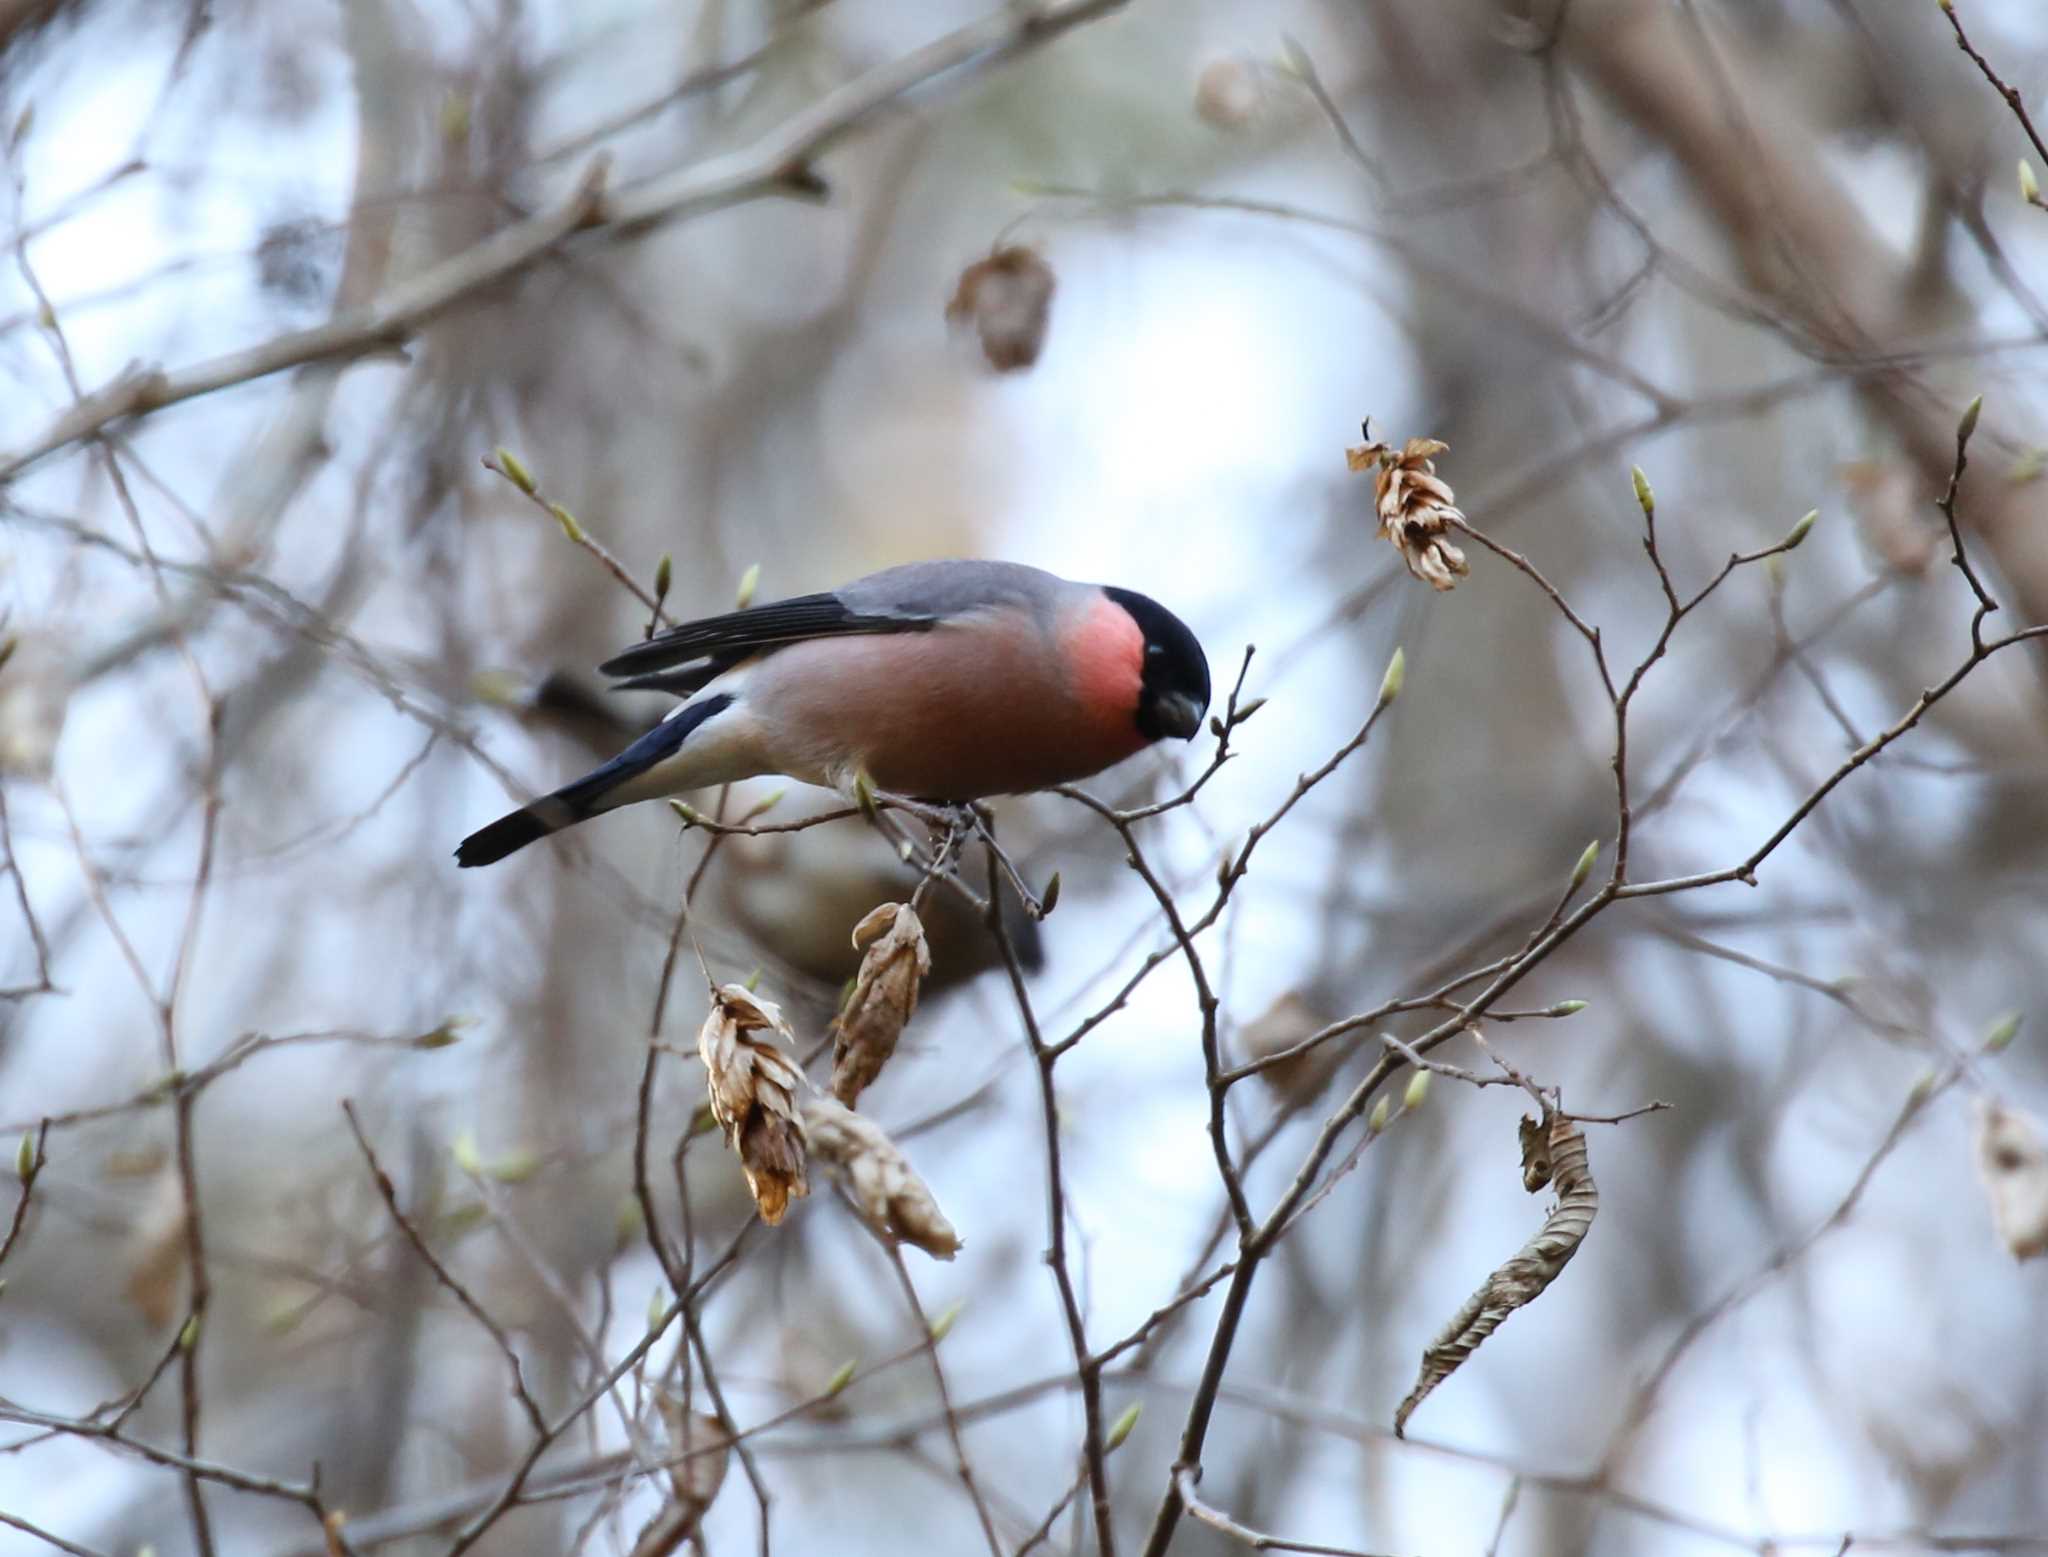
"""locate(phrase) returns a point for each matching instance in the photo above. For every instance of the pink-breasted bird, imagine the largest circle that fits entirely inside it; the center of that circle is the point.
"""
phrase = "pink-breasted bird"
(943, 681)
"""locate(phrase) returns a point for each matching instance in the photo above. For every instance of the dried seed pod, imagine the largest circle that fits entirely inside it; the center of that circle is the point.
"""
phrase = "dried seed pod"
(754, 1086)
(1007, 298)
(1415, 506)
(894, 963)
(890, 1195)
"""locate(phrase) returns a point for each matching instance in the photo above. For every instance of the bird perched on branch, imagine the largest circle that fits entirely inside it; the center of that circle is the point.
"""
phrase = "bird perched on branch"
(943, 681)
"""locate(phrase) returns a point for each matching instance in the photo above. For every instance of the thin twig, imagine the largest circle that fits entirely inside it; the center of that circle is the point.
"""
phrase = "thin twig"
(1184, 1479)
(442, 1273)
(1947, 504)
(2010, 94)
(577, 535)
(1087, 1369)
(31, 1162)
(961, 1465)
(42, 984)
(16, 1522)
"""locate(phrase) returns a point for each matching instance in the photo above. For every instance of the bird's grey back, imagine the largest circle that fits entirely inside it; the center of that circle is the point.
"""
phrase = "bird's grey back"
(937, 590)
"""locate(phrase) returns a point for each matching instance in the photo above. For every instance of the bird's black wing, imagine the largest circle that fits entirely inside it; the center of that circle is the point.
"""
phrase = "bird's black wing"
(726, 640)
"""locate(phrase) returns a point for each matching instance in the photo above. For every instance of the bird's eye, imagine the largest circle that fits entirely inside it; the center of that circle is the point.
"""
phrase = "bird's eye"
(1154, 650)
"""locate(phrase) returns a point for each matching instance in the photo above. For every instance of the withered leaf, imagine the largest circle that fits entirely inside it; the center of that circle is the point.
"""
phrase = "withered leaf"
(1553, 1151)
(1007, 299)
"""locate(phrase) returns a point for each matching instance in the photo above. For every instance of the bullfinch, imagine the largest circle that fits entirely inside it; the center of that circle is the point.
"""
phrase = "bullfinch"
(943, 681)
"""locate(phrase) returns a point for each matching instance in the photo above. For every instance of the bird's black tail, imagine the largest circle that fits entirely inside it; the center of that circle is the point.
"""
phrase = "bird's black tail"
(585, 798)
(507, 835)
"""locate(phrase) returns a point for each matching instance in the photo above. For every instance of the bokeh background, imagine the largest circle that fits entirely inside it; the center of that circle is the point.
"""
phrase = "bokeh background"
(276, 647)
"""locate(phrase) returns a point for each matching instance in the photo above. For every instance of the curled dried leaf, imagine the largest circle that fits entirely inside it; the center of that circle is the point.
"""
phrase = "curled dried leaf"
(894, 962)
(156, 1252)
(701, 1450)
(1007, 298)
(890, 1195)
(34, 695)
(1890, 508)
(1416, 507)
(2013, 1160)
(1282, 1025)
(753, 1086)
(1553, 1151)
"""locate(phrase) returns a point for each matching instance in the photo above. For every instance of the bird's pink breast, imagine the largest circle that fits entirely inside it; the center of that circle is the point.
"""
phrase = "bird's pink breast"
(993, 705)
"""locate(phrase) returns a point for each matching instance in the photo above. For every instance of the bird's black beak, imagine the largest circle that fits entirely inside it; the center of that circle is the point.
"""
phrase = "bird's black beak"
(1178, 714)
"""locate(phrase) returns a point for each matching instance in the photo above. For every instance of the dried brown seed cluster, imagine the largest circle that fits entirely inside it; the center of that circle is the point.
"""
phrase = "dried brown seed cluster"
(755, 1086)
(1414, 505)
(753, 1095)
(893, 966)
(887, 1190)
(1007, 298)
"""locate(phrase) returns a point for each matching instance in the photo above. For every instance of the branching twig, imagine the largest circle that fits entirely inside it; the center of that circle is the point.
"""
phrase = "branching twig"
(2010, 94)
(1184, 1480)
(777, 164)
(1947, 504)
(442, 1274)
(572, 528)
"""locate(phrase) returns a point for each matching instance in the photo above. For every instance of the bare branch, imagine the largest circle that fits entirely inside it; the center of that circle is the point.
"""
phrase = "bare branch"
(777, 164)
(1184, 1482)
